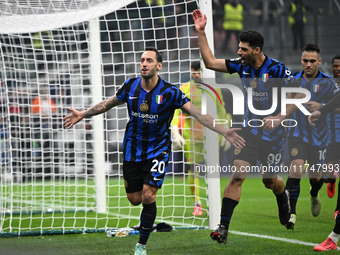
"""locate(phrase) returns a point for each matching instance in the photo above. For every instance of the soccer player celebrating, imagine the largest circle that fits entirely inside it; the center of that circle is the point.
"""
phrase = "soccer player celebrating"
(151, 103)
(305, 142)
(262, 143)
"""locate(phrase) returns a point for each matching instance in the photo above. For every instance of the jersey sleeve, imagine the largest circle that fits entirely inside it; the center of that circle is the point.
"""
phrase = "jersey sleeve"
(233, 65)
(331, 105)
(333, 88)
(121, 93)
(285, 76)
(180, 98)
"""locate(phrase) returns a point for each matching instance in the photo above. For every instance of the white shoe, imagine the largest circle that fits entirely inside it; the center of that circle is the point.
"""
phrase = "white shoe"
(315, 205)
(140, 249)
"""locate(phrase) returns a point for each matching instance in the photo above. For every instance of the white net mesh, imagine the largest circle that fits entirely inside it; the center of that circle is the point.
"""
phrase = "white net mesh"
(40, 15)
(47, 173)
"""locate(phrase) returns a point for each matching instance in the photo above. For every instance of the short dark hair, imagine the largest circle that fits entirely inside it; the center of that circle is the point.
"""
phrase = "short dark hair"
(336, 57)
(311, 47)
(158, 55)
(254, 38)
(196, 65)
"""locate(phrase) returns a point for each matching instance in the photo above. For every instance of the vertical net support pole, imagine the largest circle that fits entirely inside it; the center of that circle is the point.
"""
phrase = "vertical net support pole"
(212, 146)
(98, 120)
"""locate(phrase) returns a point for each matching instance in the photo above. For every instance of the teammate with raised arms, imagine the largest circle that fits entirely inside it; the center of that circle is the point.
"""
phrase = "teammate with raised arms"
(265, 144)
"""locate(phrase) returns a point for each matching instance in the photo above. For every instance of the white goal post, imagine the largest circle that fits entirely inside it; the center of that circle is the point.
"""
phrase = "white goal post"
(59, 54)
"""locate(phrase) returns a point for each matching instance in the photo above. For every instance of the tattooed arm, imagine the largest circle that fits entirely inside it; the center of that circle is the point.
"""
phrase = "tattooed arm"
(99, 108)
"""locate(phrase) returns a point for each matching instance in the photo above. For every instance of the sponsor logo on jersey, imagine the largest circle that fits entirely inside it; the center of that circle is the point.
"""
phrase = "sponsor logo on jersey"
(147, 118)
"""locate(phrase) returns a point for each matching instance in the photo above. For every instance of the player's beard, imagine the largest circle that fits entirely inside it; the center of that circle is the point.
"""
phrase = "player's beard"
(310, 73)
(152, 72)
(248, 61)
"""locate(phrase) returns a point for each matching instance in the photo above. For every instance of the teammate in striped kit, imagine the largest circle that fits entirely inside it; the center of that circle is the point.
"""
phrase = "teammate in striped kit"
(306, 142)
(257, 72)
(151, 103)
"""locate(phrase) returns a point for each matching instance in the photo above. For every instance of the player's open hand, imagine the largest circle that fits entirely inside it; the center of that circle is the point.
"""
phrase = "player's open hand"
(199, 19)
(234, 138)
(314, 117)
(73, 118)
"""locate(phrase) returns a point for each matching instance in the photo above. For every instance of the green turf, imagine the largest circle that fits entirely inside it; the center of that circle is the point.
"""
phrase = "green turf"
(120, 213)
(256, 213)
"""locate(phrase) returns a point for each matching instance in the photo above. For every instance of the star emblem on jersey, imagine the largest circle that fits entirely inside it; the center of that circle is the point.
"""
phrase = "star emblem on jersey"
(294, 152)
(237, 151)
(254, 83)
(144, 107)
(159, 99)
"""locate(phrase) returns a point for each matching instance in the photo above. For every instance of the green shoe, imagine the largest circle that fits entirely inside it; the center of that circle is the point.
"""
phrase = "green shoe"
(315, 205)
(140, 249)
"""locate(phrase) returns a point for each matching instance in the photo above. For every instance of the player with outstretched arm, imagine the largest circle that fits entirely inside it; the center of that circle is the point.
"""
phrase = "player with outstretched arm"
(151, 103)
(265, 144)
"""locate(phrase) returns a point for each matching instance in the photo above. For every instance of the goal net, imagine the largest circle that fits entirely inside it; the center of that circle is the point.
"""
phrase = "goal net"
(59, 54)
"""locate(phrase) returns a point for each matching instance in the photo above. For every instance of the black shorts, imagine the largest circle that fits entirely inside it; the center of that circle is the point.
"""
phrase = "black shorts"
(299, 149)
(151, 171)
(333, 152)
(269, 153)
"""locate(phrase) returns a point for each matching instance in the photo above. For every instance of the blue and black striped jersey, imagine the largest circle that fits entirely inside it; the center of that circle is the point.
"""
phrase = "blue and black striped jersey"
(333, 128)
(147, 132)
(334, 125)
(262, 81)
(322, 89)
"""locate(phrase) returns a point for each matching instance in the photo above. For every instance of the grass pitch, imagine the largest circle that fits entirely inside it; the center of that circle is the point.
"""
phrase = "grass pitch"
(256, 217)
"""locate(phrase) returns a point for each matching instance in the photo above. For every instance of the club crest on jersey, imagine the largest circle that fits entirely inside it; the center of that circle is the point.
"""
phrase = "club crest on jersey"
(265, 77)
(316, 88)
(144, 107)
(294, 152)
(254, 83)
(237, 151)
(159, 99)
